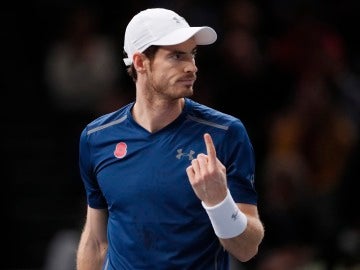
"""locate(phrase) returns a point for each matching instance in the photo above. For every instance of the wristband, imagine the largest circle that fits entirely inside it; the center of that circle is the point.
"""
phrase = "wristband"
(226, 218)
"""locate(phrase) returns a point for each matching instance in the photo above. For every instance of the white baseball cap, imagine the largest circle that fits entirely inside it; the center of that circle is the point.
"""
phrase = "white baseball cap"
(162, 27)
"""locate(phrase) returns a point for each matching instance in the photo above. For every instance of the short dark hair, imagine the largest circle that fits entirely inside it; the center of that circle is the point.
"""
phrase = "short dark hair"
(150, 53)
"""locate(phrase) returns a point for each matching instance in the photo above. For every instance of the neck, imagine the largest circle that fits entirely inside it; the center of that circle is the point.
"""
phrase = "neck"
(154, 115)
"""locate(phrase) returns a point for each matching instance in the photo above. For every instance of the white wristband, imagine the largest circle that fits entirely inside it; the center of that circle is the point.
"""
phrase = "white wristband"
(226, 218)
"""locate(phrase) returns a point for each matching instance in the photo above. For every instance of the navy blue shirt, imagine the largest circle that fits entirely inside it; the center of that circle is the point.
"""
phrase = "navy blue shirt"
(155, 219)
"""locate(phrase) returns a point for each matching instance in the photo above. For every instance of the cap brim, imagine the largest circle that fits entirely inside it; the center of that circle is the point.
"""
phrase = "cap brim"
(203, 35)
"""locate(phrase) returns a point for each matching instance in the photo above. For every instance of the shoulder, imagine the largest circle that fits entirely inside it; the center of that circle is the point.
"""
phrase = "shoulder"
(207, 115)
(108, 120)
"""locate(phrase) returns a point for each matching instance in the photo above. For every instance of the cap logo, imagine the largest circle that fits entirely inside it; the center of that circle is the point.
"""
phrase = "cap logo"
(176, 19)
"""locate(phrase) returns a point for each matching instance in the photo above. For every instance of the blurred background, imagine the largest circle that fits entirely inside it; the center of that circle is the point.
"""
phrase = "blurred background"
(290, 70)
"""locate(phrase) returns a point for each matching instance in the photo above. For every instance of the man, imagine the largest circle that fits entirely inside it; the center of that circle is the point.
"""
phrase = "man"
(169, 182)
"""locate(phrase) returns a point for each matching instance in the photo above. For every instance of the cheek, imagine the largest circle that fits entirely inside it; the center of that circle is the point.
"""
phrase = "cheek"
(165, 76)
(159, 80)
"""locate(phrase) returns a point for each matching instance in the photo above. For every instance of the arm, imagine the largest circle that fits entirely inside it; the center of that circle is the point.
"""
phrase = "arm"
(245, 246)
(93, 241)
(207, 176)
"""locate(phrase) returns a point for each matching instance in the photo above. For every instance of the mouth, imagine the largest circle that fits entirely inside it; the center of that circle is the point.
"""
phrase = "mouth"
(187, 81)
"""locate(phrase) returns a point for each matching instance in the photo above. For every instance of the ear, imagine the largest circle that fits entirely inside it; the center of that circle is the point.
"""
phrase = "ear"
(139, 61)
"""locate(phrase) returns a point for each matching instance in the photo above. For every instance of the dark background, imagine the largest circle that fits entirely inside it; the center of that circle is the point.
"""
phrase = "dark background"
(43, 194)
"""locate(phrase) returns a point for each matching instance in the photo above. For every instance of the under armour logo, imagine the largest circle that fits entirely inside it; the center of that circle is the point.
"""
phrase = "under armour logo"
(177, 19)
(234, 216)
(252, 179)
(181, 154)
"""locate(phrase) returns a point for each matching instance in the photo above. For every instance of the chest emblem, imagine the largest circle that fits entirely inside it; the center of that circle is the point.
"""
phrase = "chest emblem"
(181, 154)
(120, 150)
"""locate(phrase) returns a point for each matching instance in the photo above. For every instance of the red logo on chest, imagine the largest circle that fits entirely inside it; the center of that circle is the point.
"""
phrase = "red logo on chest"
(120, 150)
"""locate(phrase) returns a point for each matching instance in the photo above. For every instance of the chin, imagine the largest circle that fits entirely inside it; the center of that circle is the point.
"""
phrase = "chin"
(189, 92)
(184, 91)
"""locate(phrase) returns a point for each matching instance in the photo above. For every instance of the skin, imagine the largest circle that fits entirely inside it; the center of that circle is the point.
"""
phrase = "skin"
(161, 87)
(207, 176)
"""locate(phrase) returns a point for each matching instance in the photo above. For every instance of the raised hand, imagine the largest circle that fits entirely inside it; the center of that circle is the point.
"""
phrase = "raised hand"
(207, 175)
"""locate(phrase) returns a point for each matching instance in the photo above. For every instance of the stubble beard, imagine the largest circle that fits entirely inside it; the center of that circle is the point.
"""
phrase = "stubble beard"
(171, 91)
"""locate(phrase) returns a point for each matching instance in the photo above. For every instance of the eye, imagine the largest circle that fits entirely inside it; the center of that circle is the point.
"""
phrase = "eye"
(183, 56)
(177, 56)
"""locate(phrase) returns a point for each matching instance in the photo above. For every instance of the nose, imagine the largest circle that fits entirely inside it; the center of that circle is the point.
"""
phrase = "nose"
(191, 66)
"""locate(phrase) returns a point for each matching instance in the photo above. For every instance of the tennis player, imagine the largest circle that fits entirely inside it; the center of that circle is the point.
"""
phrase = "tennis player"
(169, 181)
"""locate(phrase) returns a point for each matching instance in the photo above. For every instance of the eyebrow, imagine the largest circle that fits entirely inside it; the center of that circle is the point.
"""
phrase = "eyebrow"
(182, 52)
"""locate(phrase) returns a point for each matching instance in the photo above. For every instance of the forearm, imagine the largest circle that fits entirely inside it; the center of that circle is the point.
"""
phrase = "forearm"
(238, 227)
(90, 254)
(245, 246)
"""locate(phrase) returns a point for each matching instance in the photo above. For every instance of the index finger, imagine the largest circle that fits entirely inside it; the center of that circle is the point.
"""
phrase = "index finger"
(210, 148)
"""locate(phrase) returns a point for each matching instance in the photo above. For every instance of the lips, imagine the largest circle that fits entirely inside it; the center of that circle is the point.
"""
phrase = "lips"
(188, 81)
